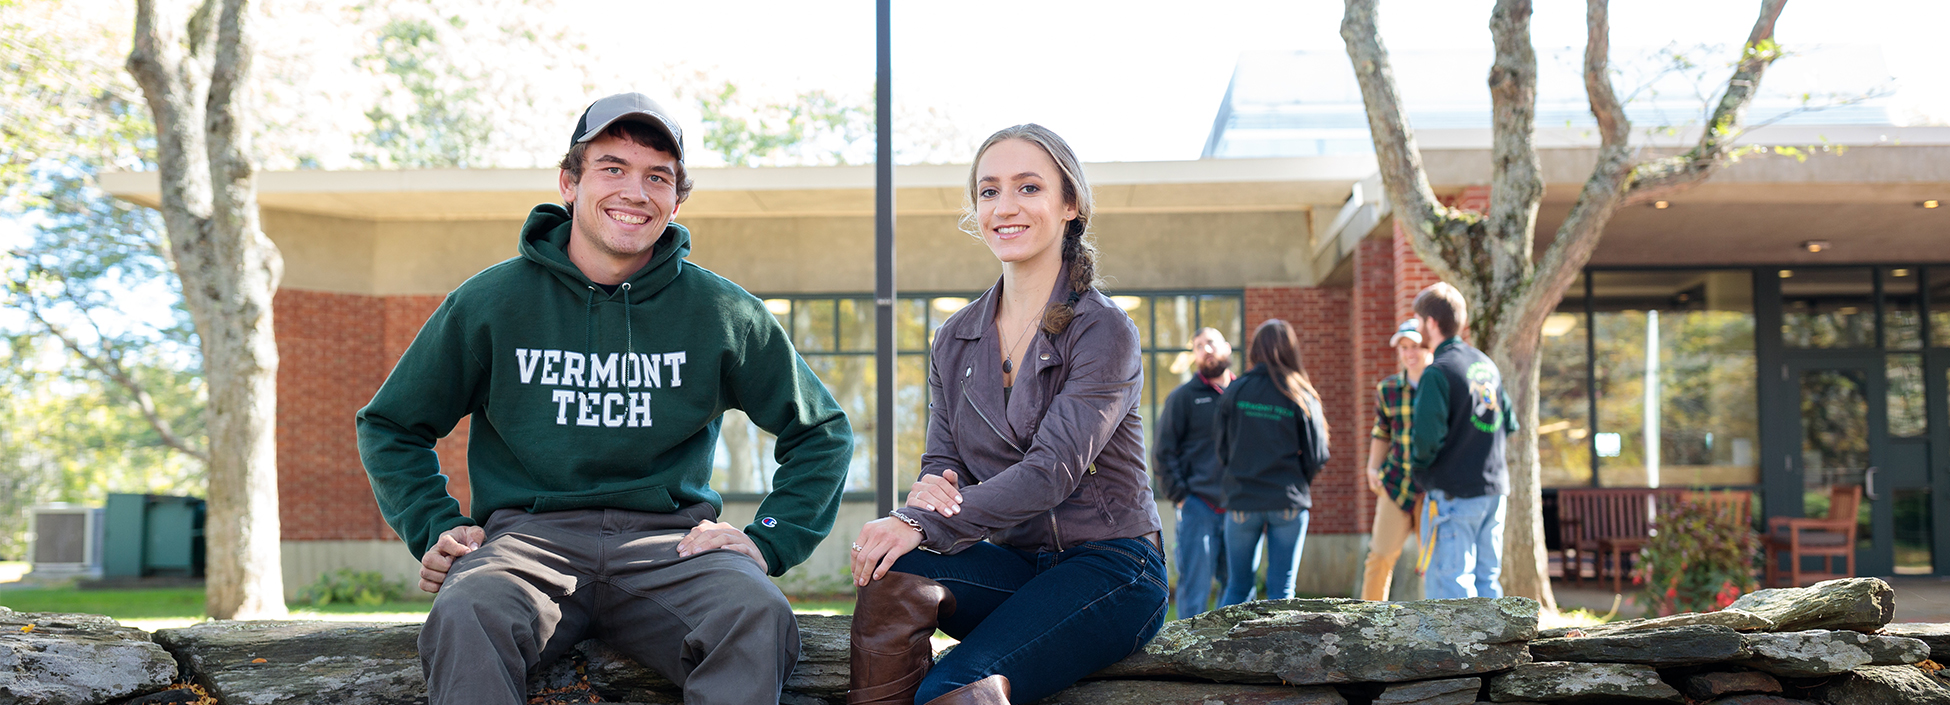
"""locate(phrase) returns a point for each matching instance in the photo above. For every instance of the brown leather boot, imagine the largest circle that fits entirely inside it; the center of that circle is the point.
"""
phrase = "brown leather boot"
(993, 690)
(893, 618)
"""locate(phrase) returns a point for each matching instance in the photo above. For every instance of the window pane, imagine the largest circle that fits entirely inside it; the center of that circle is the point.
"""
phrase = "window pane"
(911, 420)
(1700, 427)
(1166, 372)
(857, 328)
(943, 307)
(1139, 308)
(850, 379)
(743, 463)
(1912, 539)
(1908, 416)
(1563, 408)
(1176, 322)
(1902, 325)
(911, 324)
(1828, 308)
(1225, 313)
(1940, 306)
(812, 325)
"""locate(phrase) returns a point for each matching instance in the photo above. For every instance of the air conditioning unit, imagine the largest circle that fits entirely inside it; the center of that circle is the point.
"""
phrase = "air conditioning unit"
(65, 539)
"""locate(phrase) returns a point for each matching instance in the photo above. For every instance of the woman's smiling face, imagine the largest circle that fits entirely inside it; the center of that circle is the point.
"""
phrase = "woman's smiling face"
(1019, 202)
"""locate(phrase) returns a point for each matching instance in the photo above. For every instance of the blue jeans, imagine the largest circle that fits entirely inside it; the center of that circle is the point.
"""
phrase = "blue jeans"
(1201, 552)
(1468, 554)
(1043, 619)
(1285, 533)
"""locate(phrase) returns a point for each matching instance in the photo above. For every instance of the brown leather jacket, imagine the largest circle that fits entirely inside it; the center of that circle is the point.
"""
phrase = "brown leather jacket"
(1062, 463)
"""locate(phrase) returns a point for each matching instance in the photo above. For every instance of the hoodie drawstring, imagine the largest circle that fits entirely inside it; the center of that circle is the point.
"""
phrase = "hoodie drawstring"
(629, 334)
(589, 322)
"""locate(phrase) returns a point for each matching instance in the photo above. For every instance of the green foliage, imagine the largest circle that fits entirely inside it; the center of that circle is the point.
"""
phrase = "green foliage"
(815, 127)
(1701, 559)
(365, 588)
(429, 117)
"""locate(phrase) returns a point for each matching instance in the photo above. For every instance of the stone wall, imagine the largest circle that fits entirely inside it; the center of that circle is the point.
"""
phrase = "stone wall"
(1827, 644)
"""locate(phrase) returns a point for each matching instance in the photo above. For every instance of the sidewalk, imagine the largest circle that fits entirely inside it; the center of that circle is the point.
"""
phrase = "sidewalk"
(1919, 598)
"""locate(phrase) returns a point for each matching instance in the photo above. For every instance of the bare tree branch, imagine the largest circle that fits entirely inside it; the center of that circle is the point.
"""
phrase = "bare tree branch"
(1437, 233)
(1659, 178)
(112, 368)
(1603, 192)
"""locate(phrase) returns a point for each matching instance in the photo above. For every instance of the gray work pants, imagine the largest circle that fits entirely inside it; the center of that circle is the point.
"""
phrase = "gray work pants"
(544, 582)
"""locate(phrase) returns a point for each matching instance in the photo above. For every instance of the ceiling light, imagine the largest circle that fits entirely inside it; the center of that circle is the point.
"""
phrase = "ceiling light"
(1932, 203)
(1128, 303)
(950, 304)
(778, 307)
(1661, 205)
(1815, 245)
(1558, 324)
(1786, 273)
(1899, 272)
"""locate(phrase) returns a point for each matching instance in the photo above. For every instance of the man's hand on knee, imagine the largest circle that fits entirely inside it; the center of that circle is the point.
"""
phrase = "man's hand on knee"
(454, 543)
(711, 535)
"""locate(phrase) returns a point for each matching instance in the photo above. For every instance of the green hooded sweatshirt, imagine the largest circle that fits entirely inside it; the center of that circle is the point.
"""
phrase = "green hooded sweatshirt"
(586, 399)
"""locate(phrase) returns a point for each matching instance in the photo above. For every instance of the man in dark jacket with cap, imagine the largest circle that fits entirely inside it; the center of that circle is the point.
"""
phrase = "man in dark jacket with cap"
(595, 368)
(1190, 474)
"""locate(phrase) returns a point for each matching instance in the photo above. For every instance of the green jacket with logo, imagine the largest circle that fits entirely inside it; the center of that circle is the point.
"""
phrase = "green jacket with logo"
(585, 399)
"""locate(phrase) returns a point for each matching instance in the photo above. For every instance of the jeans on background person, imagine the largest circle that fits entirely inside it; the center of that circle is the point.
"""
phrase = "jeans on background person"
(1201, 554)
(1284, 532)
(1078, 611)
(1468, 554)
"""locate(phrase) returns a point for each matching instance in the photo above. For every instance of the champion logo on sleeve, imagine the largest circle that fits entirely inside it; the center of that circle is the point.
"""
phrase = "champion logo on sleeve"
(768, 522)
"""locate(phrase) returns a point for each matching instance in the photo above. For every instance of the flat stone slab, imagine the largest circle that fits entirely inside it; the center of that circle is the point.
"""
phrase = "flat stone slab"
(357, 663)
(290, 662)
(1181, 693)
(1323, 641)
(1885, 685)
(1737, 620)
(49, 658)
(1564, 681)
(1858, 604)
(1759, 699)
(1706, 686)
(1936, 635)
(823, 672)
(1671, 646)
(1447, 691)
(1813, 653)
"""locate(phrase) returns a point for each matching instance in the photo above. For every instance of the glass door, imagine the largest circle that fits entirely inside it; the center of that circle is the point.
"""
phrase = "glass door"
(1843, 442)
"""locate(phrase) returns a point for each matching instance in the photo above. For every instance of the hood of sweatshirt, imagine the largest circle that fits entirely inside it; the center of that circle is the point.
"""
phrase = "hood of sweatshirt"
(545, 241)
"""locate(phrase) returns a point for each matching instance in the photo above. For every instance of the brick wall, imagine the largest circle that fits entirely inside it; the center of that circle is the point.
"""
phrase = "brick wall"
(1411, 275)
(334, 351)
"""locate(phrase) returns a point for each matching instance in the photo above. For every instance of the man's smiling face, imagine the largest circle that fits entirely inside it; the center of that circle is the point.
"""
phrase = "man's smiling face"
(627, 194)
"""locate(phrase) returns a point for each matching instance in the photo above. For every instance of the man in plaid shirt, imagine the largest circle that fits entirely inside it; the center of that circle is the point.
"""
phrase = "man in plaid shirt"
(1388, 467)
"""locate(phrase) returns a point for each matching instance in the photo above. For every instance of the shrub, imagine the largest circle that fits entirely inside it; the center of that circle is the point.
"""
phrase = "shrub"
(1701, 559)
(365, 588)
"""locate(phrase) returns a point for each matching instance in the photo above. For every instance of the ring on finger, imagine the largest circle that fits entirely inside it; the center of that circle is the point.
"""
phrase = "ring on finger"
(857, 548)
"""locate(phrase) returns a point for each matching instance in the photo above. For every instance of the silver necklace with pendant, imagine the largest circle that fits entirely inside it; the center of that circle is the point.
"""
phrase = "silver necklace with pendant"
(1008, 365)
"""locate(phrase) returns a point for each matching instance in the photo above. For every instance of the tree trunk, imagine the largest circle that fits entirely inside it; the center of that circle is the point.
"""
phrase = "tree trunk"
(1488, 257)
(195, 81)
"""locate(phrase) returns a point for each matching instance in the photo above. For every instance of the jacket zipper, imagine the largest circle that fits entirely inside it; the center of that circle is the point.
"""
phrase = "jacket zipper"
(978, 412)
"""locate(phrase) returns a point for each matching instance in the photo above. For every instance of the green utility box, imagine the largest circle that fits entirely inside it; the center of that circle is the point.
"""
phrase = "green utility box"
(152, 535)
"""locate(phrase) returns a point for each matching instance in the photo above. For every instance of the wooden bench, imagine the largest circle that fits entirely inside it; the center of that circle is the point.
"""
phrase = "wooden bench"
(1827, 538)
(1611, 524)
(1606, 523)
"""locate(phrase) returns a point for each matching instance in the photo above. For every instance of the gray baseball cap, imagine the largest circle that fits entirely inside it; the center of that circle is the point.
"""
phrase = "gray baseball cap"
(635, 107)
(1410, 329)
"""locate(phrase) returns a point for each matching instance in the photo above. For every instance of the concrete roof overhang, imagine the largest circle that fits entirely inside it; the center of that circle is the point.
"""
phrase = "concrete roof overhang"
(1242, 185)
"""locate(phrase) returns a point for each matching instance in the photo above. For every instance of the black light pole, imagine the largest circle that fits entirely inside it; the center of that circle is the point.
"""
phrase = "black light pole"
(883, 265)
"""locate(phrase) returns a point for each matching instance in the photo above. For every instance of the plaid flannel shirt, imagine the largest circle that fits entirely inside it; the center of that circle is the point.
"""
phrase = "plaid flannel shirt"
(1394, 400)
